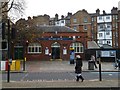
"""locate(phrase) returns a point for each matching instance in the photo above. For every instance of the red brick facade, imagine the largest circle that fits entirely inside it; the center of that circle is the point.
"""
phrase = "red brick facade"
(63, 43)
(119, 29)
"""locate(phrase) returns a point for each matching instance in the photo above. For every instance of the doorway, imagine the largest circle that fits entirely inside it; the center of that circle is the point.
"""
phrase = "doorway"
(55, 50)
(18, 53)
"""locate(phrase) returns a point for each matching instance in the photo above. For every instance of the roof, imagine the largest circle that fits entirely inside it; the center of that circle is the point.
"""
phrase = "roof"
(106, 46)
(92, 45)
(52, 28)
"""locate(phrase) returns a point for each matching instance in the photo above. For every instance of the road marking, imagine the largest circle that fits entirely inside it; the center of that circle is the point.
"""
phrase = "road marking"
(110, 74)
(94, 80)
(24, 77)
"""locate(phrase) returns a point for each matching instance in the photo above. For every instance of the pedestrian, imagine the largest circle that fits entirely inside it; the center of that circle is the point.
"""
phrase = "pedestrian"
(78, 68)
(94, 60)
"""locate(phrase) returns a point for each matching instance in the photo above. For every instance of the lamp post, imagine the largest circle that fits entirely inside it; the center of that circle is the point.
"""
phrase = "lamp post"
(8, 73)
(24, 60)
(99, 57)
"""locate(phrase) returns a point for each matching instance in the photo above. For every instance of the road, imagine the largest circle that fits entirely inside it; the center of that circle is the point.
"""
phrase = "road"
(48, 76)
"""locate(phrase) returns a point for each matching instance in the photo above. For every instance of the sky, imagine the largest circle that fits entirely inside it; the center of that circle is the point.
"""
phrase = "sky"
(62, 7)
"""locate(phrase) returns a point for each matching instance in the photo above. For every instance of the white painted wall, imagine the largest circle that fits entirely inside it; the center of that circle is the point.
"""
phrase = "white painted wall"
(104, 19)
(60, 23)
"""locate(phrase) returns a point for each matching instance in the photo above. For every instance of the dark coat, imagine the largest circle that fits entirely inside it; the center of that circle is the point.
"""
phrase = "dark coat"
(78, 66)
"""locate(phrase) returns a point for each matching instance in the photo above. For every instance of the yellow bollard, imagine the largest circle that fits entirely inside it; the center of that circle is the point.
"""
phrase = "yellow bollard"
(25, 58)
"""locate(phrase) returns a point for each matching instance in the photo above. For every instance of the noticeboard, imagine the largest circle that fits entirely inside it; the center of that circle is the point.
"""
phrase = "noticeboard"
(110, 53)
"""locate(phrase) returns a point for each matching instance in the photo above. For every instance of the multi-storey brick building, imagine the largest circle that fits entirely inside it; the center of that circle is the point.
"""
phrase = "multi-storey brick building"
(105, 28)
(119, 28)
(81, 21)
(114, 13)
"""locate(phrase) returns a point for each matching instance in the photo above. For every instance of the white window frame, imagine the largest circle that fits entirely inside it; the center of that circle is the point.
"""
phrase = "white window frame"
(100, 34)
(34, 48)
(85, 19)
(78, 47)
(85, 27)
(100, 17)
(108, 18)
(74, 20)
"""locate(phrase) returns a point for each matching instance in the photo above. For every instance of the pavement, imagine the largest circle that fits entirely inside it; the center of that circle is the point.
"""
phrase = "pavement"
(62, 66)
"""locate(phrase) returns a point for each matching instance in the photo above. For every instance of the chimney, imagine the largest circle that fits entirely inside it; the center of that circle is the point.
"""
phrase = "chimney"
(29, 18)
(62, 17)
(56, 16)
(69, 14)
(104, 12)
(98, 12)
(114, 10)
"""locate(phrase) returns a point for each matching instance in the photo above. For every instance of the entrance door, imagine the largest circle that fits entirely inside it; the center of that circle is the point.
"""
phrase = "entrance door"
(55, 50)
(18, 53)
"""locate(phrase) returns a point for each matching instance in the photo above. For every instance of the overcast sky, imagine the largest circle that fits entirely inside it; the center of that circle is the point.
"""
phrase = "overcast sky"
(62, 7)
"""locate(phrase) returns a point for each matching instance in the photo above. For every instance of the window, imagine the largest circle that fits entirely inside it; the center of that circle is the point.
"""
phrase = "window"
(100, 35)
(116, 25)
(116, 17)
(34, 48)
(75, 28)
(108, 26)
(85, 27)
(101, 26)
(100, 17)
(57, 22)
(78, 47)
(100, 42)
(107, 17)
(62, 21)
(107, 33)
(85, 19)
(74, 20)
(92, 18)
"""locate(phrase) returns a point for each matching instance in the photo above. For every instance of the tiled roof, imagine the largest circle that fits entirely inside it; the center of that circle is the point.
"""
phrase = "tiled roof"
(53, 28)
(106, 46)
(92, 45)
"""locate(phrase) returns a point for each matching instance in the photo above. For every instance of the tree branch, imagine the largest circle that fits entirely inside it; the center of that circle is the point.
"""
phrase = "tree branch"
(9, 7)
(5, 4)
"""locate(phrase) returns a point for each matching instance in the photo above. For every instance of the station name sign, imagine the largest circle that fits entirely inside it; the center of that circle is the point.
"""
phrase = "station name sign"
(54, 38)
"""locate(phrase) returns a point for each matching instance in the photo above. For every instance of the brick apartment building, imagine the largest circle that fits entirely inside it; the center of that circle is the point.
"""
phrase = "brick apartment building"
(81, 21)
(119, 29)
(105, 28)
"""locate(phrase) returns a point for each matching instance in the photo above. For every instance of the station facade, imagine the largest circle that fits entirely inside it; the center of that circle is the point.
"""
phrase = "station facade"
(50, 43)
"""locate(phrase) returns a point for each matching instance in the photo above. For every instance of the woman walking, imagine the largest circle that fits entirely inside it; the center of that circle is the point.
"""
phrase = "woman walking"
(78, 68)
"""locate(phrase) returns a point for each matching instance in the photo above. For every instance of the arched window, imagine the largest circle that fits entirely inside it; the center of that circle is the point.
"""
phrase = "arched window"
(34, 48)
(78, 47)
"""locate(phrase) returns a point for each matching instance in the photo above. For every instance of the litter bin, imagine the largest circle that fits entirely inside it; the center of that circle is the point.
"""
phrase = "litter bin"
(13, 65)
(90, 65)
(17, 68)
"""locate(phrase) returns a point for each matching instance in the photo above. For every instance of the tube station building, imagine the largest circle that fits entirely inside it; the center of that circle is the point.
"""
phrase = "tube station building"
(49, 43)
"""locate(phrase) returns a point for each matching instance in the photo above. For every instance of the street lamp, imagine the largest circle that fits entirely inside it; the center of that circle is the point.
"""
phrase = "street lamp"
(8, 74)
(26, 44)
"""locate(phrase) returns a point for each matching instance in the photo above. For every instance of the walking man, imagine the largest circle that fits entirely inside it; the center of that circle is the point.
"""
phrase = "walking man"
(78, 68)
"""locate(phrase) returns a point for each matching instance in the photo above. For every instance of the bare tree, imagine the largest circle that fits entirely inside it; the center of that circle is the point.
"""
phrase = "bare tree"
(15, 8)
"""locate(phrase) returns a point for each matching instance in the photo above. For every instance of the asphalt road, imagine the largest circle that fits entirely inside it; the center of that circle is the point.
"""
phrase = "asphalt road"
(48, 76)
